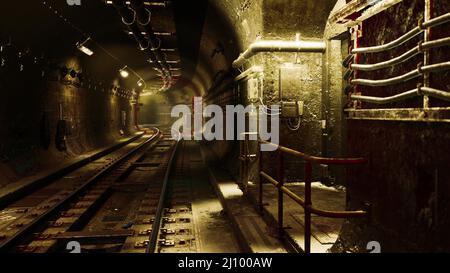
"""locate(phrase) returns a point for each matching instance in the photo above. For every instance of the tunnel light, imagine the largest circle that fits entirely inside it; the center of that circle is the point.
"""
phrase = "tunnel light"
(141, 83)
(124, 73)
(81, 47)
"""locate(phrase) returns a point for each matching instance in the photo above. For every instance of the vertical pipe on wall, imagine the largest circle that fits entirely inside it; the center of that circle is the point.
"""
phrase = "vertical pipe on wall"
(326, 90)
(354, 37)
(426, 54)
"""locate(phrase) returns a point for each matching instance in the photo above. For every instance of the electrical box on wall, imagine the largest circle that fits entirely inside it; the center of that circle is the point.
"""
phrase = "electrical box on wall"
(290, 83)
(291, 109)
(290, 87)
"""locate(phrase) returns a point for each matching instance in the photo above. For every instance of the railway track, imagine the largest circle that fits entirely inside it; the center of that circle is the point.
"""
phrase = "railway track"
(32, 217)
(139, 199)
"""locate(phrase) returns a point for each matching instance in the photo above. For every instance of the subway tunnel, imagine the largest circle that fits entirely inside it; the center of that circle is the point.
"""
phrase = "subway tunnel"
(224, 126)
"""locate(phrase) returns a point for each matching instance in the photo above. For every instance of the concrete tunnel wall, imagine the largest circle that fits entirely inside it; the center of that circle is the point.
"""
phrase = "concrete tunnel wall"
(34, 97)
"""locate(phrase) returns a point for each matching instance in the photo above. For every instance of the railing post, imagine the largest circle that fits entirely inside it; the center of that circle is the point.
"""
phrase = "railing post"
(260, 190)
(246, 163)
(280, 192)
(308, 205)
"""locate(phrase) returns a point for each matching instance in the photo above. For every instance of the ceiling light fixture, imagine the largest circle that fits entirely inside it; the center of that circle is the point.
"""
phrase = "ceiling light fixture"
(123, 72)
(141, 83)
(81, 47)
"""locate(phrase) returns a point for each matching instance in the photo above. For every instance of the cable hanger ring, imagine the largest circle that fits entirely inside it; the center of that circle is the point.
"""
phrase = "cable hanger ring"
(134, 18)
(149, 18)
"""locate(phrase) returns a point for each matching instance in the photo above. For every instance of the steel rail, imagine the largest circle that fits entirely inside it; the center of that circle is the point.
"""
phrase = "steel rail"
(4, 245)
(38, 183)
(153, 239)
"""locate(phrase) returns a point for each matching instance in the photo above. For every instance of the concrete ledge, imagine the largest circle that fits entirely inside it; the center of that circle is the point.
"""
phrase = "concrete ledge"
(16, 190)
(324, 230)
(253, 233)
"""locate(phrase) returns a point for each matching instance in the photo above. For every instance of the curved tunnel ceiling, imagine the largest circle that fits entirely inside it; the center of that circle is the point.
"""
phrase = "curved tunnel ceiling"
(208, 35)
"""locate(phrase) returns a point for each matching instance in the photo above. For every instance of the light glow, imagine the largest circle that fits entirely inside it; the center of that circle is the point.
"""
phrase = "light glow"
(124, 73)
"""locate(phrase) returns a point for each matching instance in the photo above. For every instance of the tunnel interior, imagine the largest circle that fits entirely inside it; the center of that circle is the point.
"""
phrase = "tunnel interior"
(353, 95)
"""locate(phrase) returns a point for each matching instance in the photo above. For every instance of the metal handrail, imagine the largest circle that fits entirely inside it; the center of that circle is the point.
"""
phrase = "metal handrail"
(318, 159)
(306, 203)
(320, 212)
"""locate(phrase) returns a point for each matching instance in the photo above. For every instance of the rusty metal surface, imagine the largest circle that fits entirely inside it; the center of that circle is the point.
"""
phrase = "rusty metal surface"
(436, 114)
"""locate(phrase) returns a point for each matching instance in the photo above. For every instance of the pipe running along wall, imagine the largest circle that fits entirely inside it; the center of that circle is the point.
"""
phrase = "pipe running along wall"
(279, 46)
(421, 70)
